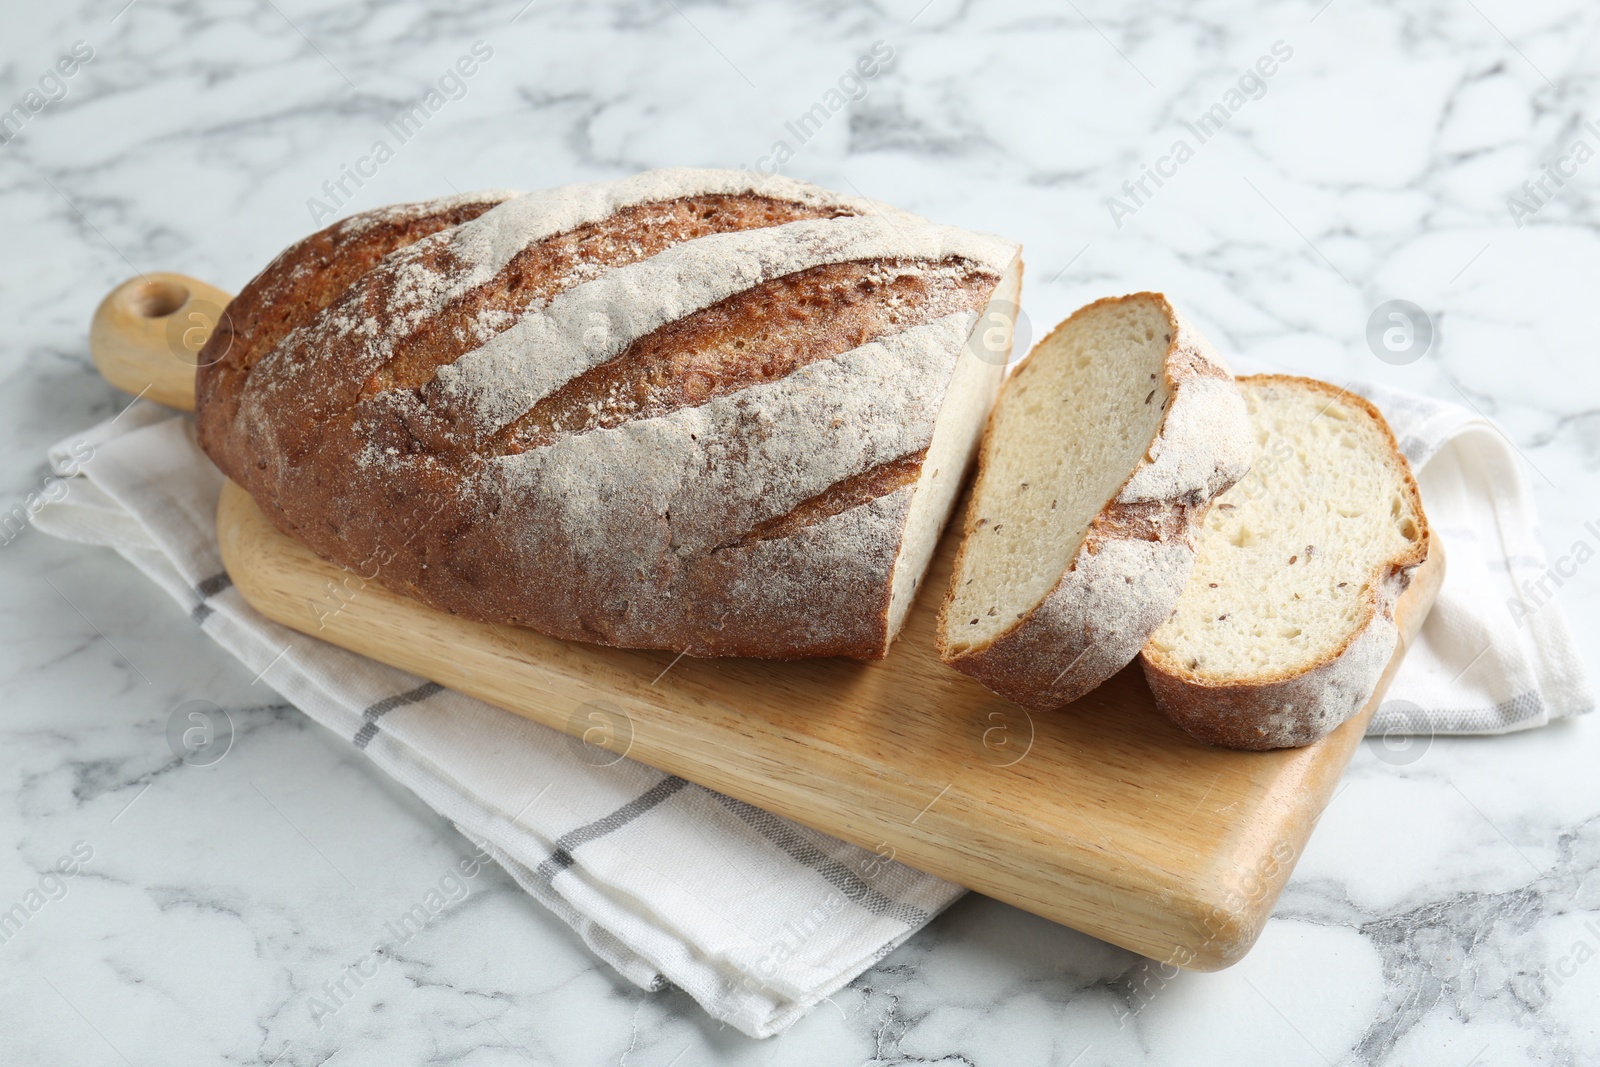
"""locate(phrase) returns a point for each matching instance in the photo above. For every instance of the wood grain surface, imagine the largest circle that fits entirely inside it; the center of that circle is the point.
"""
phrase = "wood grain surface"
(1102, 816)
(147, 334)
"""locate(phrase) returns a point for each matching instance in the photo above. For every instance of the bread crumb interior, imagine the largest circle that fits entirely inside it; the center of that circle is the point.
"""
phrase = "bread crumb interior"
(1070, 427)
(1286, 556)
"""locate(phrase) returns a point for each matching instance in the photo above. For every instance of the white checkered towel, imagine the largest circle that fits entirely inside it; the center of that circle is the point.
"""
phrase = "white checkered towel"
(756, 917)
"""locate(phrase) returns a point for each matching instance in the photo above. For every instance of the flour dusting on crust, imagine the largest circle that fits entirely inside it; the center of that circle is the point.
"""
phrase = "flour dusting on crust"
(760, 511)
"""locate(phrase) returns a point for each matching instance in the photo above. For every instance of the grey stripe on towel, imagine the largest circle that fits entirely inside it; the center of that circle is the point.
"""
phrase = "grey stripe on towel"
(369, 728)
(788, 837)
(561, 857)
(205, 591)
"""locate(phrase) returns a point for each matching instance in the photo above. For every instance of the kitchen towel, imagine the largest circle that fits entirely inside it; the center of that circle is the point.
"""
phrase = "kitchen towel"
(1495, 654)
(757, 918)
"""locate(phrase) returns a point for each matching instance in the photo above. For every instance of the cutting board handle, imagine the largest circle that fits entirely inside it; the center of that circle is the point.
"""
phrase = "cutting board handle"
(147, 334)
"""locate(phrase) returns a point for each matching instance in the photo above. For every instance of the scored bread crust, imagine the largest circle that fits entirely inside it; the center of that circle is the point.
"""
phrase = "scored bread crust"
(1136, 556)
(1291, 708)
(683, 410)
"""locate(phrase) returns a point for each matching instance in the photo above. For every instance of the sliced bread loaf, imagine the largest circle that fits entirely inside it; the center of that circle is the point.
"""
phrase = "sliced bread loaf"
(1104, 447)
(698, 410)
(1288, 620)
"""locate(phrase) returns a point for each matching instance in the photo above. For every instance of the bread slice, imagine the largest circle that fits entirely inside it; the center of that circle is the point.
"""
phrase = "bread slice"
(1104, 448)
(1288, 621)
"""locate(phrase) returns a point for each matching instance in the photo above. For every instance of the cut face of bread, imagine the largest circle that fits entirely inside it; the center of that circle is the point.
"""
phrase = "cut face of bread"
(1073, 425)
(956, 434)
(1287, 622)
(1118, 428)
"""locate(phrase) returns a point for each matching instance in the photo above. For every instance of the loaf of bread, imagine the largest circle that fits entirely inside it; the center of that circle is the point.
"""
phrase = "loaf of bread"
(1104, 449)
(1288, 621)
(708, 411)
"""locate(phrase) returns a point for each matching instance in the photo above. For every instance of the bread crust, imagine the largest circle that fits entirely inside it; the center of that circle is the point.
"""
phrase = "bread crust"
(684, 475)
(1137, 554)
(1291, 708)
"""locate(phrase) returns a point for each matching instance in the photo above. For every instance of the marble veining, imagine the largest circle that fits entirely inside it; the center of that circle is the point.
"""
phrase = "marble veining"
(1446, 911)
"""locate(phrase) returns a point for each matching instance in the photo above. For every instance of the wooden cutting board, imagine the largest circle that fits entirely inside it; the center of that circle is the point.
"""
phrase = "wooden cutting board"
(1102, 815)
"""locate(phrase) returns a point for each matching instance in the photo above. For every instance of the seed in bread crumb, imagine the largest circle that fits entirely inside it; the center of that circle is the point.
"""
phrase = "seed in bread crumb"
(1150, 397)
(1292, 559)
(1212, 584)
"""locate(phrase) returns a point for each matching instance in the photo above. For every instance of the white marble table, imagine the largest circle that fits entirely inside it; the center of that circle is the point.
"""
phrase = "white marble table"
(1446, 909)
